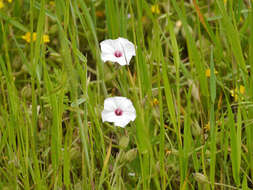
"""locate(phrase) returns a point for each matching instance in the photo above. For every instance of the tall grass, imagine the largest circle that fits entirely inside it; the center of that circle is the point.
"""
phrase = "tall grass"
(193, 130)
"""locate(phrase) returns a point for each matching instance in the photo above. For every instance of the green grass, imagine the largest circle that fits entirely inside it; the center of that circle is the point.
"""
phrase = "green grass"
(198, 135)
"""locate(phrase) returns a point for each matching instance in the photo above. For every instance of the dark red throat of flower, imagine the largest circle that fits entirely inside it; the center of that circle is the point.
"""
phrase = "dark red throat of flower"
(117, 54)
(118, 112)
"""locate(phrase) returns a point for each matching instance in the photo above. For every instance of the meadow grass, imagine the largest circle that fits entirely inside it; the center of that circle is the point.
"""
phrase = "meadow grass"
(190, 83)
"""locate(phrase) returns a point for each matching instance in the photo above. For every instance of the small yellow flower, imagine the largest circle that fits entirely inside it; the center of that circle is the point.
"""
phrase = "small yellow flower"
(168, 152)
(234, 93)
(155, 9)
(155, 102)
(241, 19)
(1, 4)
(52, 3)
(207, 127)
(208, 72)
(46, 38)
(27, 37)
(242, 89)
(225, 2)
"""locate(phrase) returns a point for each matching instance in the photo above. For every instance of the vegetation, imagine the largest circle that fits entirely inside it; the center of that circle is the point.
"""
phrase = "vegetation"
(190, 82)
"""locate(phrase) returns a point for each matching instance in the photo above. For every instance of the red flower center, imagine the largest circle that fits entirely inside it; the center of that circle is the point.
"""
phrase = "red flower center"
(117, 53)
(118, 112)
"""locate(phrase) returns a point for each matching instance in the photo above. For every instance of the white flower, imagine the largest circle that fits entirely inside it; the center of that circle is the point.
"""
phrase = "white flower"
(118, 110)
(119, 50)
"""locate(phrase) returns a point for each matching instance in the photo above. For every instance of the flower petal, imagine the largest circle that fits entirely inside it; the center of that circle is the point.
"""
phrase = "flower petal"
(127, 46)
(108, 57)
(122, 60)
(109, 116)
(128, 49)
(110, 104)
(107, 46)
(126, 105)
(122, 122)
(130, 115)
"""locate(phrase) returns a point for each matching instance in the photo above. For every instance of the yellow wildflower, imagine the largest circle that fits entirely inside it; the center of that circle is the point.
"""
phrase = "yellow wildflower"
(208, 72)
(242, 89)
(155, 102)
(1, 4)
(207, 127)
(241, 19)
(234, 93)
(27, 37)
(155, 9)
(46, 38)
(225, 2)
(52, 3)
(168, 152)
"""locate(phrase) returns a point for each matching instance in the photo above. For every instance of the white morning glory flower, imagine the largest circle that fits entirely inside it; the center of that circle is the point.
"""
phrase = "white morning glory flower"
(118, 110)
(119, 50)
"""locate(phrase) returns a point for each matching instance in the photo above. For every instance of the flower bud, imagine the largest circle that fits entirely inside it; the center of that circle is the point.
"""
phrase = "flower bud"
(131, 155)
(123, 142)
(26, 91)
(196, 130)
(199, 177)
